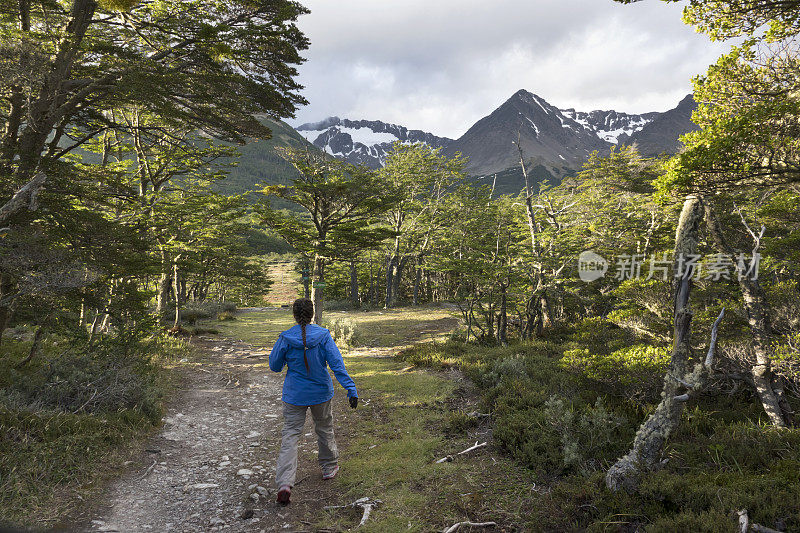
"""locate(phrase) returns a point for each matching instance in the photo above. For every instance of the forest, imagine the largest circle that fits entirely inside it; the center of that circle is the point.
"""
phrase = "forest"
(633, 329)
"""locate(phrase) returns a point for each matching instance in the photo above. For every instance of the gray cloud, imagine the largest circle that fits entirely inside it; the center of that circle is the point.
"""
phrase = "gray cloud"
(440, 65)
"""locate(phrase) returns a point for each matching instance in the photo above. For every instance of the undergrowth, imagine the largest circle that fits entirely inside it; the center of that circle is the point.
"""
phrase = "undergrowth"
(567, 406)
(68, 418)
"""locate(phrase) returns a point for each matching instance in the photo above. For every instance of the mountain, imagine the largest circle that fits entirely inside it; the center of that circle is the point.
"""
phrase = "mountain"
(662, 133)
(545, 134)
(556, 142)
(363, 141)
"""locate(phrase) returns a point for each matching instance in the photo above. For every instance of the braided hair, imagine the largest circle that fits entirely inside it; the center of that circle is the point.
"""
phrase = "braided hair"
(303, 310)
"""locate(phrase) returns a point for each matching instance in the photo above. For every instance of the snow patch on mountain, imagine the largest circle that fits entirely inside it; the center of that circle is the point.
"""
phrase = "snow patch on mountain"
(611, 126)
(363, 141)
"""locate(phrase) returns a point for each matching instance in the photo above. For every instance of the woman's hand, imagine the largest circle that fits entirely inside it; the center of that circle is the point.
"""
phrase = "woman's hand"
(353, 401)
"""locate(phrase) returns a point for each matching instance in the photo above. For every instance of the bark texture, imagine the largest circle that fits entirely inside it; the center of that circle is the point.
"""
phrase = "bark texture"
(654, 432)
(755, 304)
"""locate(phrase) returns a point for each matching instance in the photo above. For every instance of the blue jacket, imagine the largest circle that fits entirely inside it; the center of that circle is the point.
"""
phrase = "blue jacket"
(313, 386)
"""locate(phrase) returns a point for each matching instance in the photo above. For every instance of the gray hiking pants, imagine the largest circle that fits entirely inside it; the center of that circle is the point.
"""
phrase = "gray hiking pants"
(294, 418)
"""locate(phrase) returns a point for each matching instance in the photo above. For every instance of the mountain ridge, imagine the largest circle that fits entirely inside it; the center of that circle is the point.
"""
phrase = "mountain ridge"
(559, 139)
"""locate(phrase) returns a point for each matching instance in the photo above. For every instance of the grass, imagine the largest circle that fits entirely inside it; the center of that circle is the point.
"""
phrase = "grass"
(398, 436)
(405, 421)
(259, 328)
(723, 458)
(286, 285)
(57, 448)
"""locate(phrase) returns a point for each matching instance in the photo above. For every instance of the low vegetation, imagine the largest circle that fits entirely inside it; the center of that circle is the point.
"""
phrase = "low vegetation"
(70, 416)
(567, 417)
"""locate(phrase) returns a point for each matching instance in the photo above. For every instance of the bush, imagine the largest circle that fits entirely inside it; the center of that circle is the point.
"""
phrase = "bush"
(66, 416)
(105, 379)
(341, 305)
(587, 435)
(226, 315)
(345, 331)
(635, 371)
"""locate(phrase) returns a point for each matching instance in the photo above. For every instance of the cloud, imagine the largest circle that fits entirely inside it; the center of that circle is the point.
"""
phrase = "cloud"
(441, 65)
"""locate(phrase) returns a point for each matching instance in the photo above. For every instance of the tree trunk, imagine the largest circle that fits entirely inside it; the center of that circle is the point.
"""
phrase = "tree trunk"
(755, 304)
(354, 297)
(654, 432)
(502, 326)
(417, 281)
(397, 278)
(391, 266)
(318, 288)
(37, 342)
(164, 284)
(177, 291)
(6, 288)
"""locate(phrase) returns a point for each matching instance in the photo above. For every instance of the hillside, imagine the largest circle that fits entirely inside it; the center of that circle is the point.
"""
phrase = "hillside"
(259, 163)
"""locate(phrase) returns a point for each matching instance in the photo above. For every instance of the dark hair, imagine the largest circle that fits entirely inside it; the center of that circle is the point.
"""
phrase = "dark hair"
(303, 310)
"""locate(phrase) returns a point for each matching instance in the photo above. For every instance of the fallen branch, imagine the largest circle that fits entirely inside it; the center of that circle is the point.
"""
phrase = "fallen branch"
(475, 447)
(449, 458)
(455, 527)
(367, 504)
(146, 472)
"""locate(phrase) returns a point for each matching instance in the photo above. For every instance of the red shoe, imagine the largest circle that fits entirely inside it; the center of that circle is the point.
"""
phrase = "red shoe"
(331, 474)
(284, 494)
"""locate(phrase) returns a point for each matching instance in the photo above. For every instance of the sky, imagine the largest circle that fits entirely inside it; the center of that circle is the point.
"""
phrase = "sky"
(441, 65)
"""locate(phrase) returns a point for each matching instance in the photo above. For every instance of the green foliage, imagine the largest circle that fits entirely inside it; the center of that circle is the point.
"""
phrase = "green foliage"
(66, 417)
(567, 426)
(635, 371)
(226, 315)
(345, 331)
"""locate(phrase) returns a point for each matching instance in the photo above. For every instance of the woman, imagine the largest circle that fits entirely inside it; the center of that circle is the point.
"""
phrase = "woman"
(306, 349)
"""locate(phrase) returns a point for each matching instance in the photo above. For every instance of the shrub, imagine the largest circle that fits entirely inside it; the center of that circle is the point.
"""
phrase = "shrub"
(635, 371)
(587, 434)
(345, 331)
(225, 316)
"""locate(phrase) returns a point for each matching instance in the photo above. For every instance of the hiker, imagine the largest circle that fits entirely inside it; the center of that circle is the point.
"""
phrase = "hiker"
(306, 349)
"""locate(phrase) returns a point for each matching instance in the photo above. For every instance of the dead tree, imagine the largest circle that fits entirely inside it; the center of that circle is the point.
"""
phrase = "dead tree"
(685, 376)
(769, 389)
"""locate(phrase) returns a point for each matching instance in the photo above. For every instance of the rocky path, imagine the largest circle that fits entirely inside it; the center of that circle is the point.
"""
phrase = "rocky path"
(211, 466)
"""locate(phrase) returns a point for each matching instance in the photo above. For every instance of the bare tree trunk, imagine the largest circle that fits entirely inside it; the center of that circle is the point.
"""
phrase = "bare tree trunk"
(318, 288)
(354, 297)
(94, 327)
(397, 278)
(502, 326)
(547, 312)
(417, 280)
(37, 342)
(164, 283)
(177, 291)
(755, 304)
(391, 264)
(25, 198)
(654, 432)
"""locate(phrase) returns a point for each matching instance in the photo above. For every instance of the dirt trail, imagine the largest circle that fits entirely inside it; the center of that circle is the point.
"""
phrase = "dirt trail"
(211, 466)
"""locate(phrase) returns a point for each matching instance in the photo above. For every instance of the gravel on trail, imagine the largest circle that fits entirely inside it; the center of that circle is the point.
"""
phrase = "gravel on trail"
(211, 466)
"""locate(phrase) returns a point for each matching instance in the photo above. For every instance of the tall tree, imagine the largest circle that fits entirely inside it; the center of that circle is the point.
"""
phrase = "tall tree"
(206, 64)
(419, 177)
(341, 204)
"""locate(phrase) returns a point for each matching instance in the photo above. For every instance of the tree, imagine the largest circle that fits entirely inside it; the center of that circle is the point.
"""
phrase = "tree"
(724, 19)
(341, 204)
(419, 177)
(206, 65)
